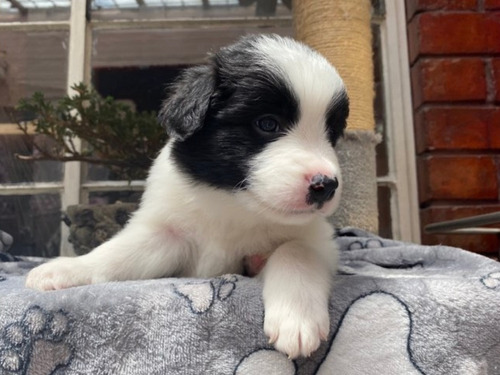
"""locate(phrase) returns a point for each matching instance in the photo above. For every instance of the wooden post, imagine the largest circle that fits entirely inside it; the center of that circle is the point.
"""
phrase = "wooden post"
(341, 31)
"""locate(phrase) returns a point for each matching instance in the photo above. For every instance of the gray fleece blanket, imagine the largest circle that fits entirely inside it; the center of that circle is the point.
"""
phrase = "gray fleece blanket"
(395, 309)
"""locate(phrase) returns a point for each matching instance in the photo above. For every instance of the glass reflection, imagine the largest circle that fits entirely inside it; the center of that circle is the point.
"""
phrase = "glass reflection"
(34, 221)
(34, 10)
(185, 9)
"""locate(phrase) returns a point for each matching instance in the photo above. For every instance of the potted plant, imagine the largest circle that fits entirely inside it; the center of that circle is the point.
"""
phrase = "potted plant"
(112, 135)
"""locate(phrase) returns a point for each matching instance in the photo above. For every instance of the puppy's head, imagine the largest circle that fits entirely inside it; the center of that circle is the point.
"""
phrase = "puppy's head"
(261, 120)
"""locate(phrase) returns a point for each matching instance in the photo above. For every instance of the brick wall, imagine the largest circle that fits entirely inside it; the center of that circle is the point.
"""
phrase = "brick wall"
(454, 48)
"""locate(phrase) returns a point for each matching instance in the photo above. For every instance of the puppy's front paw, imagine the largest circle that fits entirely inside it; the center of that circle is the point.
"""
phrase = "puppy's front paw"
(294, 331)
(60, 273)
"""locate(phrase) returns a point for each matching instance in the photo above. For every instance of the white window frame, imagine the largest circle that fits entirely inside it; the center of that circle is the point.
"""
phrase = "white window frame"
(399, 124)
(77, 68)
(402, 177)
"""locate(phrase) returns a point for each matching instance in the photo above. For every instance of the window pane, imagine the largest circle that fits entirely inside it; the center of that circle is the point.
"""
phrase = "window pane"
(34, 10)
(384, 212)
(96, 172)
(14, 170)
(143, 90)
(165, 47)
(109, 197)
(34, 222)
(188, 9)
(379, 105)
(384, 193)
(30, 61)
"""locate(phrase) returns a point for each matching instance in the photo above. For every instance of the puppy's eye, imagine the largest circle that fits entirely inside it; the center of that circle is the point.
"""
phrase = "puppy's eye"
(268, 124)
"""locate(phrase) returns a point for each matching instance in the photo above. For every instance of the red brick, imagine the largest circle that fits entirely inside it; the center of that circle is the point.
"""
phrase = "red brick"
(495, 135)
(491, 4)
(496, 77)
(443, 80)
(414, 6)
(487, 244)
(457, 177)
(413, 40)
(457, 128)
(457, 33)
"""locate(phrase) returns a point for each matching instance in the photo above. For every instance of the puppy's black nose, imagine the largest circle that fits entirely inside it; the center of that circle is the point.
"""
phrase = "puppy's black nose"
(321, 189)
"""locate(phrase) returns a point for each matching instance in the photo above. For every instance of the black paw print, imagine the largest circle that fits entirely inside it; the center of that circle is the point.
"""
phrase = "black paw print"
(492, 280)
(372, 243)
(34, 345)
(201, 295)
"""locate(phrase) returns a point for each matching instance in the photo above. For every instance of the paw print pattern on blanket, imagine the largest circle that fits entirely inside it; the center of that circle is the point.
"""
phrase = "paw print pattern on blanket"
(373, 337)
(265, 361)
(202, 295)
(34, 345)
(372, 243)
(492, 280)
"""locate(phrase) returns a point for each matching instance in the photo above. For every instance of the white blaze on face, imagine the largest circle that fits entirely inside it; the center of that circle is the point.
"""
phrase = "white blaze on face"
(280, 174)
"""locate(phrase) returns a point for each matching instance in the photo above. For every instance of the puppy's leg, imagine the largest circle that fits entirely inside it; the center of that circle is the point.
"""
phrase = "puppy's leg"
(297, 281)
(137, 252)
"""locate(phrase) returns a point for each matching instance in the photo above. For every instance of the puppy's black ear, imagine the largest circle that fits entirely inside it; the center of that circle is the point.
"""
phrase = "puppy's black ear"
(184, 111)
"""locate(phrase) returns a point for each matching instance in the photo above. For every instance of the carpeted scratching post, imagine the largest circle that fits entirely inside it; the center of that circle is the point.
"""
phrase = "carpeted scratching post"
(341, 31)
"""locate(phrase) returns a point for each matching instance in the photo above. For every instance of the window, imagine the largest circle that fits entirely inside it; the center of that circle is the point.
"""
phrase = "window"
(396, 168)
(130, 49)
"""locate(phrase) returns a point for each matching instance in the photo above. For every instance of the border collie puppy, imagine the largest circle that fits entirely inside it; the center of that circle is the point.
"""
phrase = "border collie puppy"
(249, 169)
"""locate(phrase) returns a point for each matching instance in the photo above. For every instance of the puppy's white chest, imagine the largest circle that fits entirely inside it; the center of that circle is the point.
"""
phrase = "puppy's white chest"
(219, 253)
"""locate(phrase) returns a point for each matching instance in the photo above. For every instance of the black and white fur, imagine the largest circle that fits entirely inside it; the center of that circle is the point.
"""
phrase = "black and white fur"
(250, 168)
